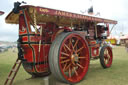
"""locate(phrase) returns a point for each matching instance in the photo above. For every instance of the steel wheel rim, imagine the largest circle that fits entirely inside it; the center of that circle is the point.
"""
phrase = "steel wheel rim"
(108, 56)
(73, 58)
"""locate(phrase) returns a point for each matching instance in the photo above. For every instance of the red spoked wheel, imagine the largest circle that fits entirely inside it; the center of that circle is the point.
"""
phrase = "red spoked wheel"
(106, 56)
(69, 58)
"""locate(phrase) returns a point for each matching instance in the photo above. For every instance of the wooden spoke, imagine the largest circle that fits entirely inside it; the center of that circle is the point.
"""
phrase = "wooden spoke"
(64, 67)
(72, 57)
(79, 49)
(80, 66)
(106, 61)
(82, 57)
(69, 72)
(78, 53)
(108, 57)
(67, 47)
(70, 43)
(75, 71)
(106, 52)
(63, 57)
(64, 61)
(64, 54)
(68, 66)
(76, 43)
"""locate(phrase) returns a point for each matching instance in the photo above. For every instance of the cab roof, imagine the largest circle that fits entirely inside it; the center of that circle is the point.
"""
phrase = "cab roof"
(51, 15)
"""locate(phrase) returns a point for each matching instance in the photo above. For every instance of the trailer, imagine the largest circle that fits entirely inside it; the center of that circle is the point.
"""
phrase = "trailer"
(60, 43)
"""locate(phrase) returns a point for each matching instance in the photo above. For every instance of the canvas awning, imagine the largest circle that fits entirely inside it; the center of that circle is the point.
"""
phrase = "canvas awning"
(124, 37)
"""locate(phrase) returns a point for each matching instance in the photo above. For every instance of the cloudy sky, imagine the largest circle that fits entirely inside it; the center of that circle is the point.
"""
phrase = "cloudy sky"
(110, 9)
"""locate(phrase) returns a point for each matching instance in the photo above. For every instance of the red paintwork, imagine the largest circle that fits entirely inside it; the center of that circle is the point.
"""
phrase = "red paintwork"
(86, 27)
(31, 52)
(94, 51)
(108, 57)
(83, 53)
(53, 12)
(29, 55)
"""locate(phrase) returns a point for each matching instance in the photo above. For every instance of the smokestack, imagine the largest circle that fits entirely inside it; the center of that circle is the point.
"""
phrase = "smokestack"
(90, 11)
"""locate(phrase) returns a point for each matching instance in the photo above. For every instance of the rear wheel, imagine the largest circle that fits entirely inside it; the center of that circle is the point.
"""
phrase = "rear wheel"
(106, 56)
(69, 58)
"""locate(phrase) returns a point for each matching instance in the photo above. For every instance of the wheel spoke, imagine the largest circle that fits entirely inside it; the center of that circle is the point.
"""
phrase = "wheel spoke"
(67, 47)
(75, 71)
(105, 60)
(64, 67)
(70, 43)
(106, 52)
(82, 57)
(64, 54)
(63, 57)
(68, 66)
(109, 57)
(80, 66)
(79, 49)
(75, 44)
(64, 61)
(69, 72)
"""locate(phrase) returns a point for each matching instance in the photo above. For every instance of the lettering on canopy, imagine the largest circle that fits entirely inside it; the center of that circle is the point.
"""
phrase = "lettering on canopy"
(73, 15)
(43, 10)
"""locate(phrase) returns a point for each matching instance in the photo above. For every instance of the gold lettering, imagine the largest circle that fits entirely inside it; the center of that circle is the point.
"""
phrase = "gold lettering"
(70, 15)
(66, 14)
(59, 13)
(56, 12)
(81, 16)
(78, 16)
(43, 10)
(63, 13)
(74, 15)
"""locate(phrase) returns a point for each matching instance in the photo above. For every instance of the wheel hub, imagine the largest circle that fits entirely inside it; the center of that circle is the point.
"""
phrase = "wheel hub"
(74, 59)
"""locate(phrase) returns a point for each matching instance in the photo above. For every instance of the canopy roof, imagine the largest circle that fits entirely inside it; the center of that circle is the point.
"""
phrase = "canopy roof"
(51, 15)
(124, 37)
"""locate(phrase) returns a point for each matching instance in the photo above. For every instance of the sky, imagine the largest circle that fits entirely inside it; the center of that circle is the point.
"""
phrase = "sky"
(110, 9)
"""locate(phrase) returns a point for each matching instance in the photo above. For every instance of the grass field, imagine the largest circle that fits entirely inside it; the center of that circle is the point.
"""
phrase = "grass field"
(116, 75)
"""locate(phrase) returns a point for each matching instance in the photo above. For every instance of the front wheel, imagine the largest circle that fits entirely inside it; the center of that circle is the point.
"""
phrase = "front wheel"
(106, 56)
(69, 58)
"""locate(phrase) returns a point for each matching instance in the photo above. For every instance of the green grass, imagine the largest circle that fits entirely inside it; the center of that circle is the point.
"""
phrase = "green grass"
(116, 75)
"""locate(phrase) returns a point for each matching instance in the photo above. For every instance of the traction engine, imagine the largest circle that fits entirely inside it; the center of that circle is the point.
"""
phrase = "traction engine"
(60, 42)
